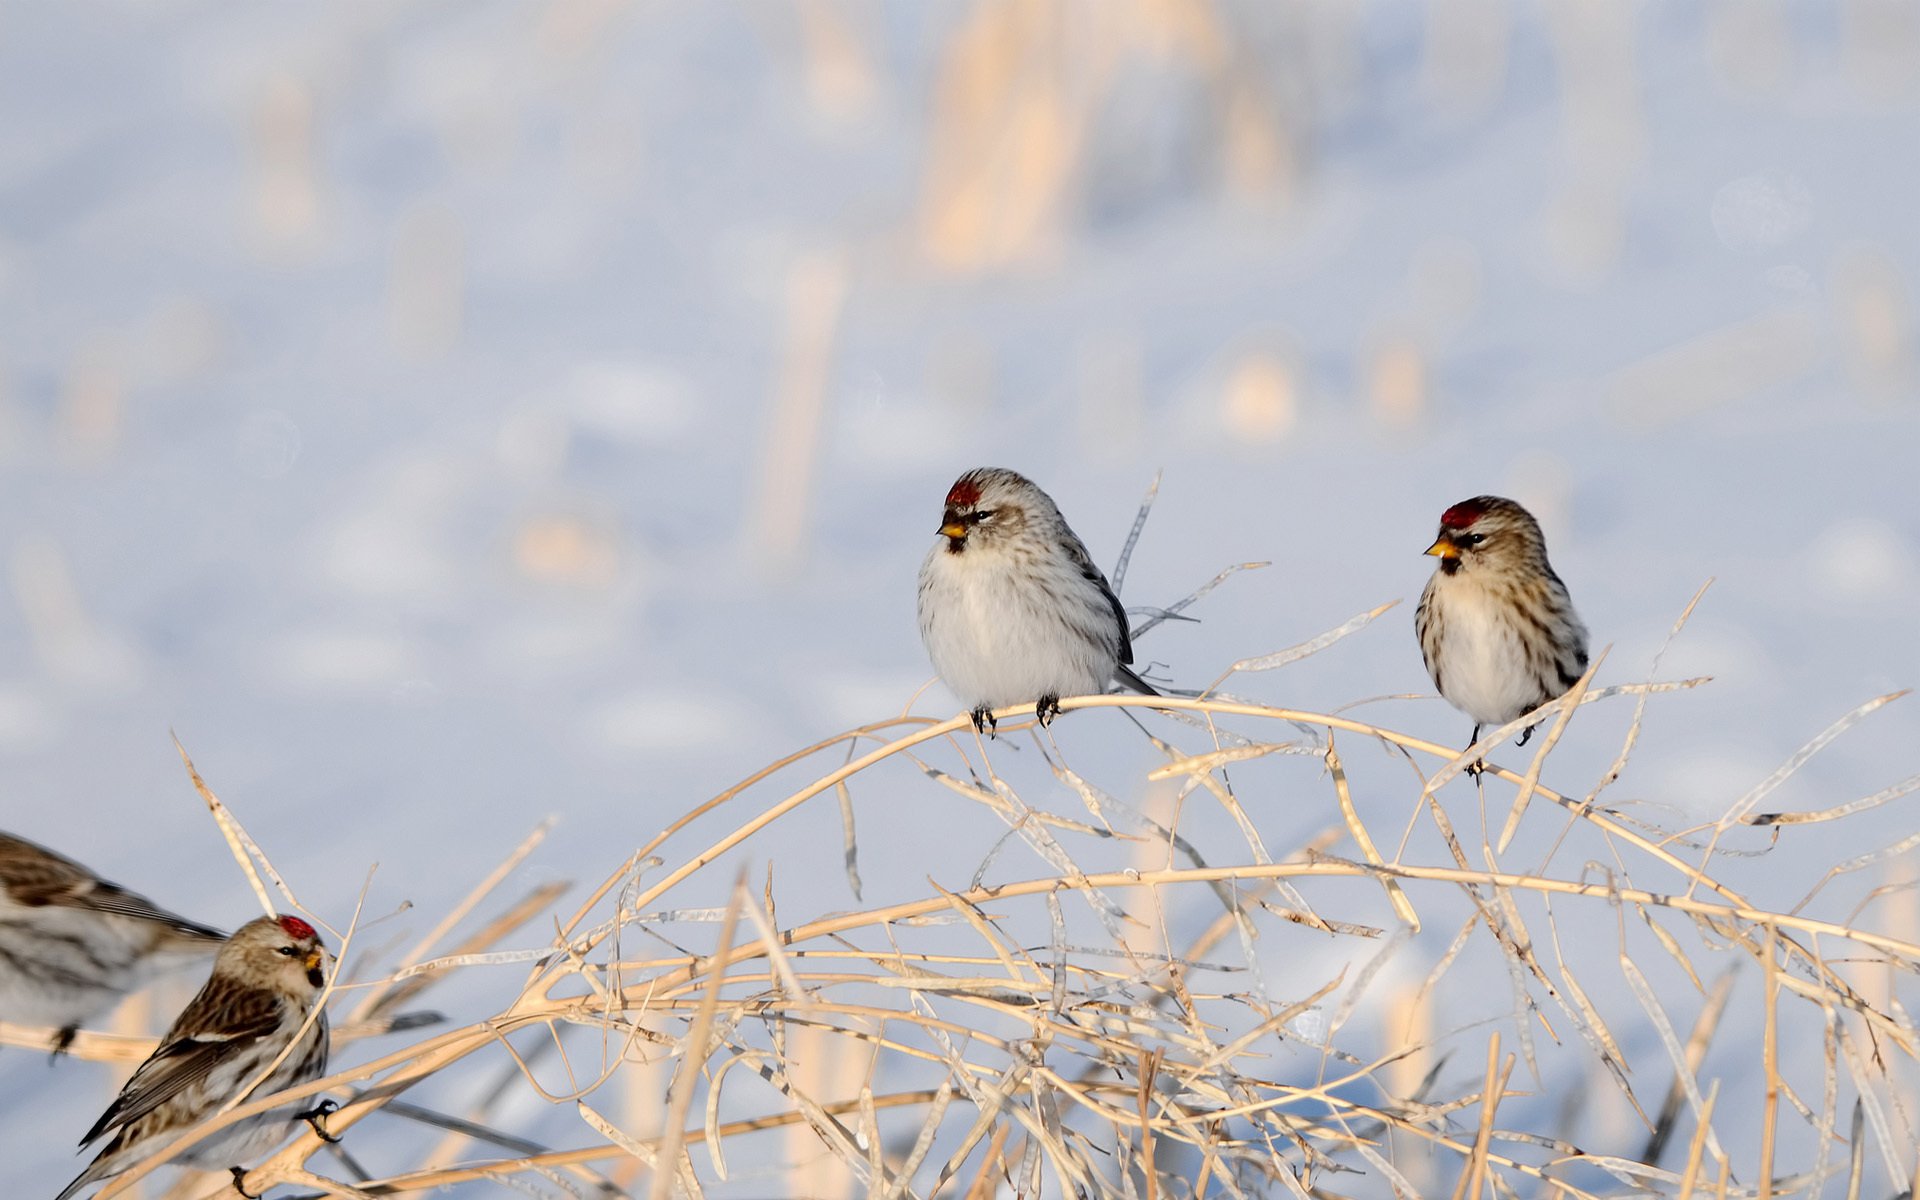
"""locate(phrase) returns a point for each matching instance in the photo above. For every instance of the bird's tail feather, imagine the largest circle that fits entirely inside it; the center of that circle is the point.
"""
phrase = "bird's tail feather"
(1127, 677)
(86, 1177)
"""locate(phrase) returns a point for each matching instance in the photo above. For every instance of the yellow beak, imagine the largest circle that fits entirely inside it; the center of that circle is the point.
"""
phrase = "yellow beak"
(954, 529)
(1443, 547)
(314, 959)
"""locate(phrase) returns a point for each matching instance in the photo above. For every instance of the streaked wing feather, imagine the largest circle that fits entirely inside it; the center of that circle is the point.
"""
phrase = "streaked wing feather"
(186, 1057)
(1077, 551)
(112, 898)
(37, 877)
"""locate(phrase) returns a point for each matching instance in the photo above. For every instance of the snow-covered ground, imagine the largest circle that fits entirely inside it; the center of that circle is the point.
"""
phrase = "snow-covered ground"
(445, 416)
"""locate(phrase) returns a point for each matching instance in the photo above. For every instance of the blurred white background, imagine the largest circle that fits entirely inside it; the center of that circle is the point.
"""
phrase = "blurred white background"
(445, 415)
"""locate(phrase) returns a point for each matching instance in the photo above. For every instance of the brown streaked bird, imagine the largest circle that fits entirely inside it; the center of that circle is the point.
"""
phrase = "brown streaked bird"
(1012, 609)
(266, 981)
(1497, 627)
(72, 943)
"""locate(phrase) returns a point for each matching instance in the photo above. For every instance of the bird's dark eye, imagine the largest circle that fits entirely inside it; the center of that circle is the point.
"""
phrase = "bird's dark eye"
(289, 951)
(980, 514)
(1473, 539)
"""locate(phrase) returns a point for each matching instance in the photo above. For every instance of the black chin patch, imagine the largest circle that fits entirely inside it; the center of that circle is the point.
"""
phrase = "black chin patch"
(956, 545)
(1450, 565)
(315, 978)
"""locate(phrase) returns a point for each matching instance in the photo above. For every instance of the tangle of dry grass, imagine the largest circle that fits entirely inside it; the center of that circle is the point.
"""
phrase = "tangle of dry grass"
(1158, 1024)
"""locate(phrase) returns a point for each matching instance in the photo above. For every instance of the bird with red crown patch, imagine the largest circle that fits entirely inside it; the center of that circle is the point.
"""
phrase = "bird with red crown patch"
(1012, 609)
(266, 981)
(1496, 626)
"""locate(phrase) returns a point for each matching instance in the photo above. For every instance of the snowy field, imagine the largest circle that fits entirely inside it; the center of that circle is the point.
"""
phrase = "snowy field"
(446, 416)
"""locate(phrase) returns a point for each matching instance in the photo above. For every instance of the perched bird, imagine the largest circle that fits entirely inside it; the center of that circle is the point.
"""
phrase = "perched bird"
(265, 982)
(71, 943)
(1496, 626)
(1012, 610)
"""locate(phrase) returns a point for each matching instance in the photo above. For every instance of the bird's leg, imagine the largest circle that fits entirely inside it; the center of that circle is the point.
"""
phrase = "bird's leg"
(983, 721)
(239, 1180)
(63, 1039)
(1047, 710)
(318, 1113)
(1524, 735)
(1477, 765)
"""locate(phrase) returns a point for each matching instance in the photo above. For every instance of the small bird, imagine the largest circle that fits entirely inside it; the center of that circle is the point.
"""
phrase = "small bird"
(265, 982)
(1012, 609)
(1496, 625)
(71, 943)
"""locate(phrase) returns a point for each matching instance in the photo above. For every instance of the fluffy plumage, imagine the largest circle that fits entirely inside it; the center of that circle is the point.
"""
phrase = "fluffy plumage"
(265, 981)
(1496, 625)
(71, 943)
(1012, 609)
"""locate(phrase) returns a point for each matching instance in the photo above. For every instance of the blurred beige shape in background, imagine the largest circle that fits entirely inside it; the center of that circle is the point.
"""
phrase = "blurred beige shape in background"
(825, 1067)
(179, 340)
(287, 208)
(1260, 132)
(1147, 932)
(72, 648)
(1408, 1022)
(92, 397)
(1261, 400)
(1021, 87)
(568, 549)
(1896, 902)
(1880, 43)
(643, 1083)
(1263, 148)
(840, 79)
(426, 288)
(1396, 381)
(1001, 149)
(1437, 303)
(1876, 322)
(780, 518)
(1603, 136)
(570, 30)
(1749, 45)
(1466, 51)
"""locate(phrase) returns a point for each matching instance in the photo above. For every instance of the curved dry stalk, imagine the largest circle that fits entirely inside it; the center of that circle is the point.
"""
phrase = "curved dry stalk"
(1110, 1057)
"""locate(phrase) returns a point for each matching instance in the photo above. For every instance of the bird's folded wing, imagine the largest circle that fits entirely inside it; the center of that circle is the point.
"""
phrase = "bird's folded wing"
(112, 898)
(44, 878)
(1077, 551)
(186, 1058)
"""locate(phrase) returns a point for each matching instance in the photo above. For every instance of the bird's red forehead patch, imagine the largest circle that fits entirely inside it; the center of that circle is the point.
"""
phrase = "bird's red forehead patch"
(296, 928)
(964, 493)
(1463, 514)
